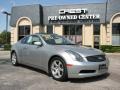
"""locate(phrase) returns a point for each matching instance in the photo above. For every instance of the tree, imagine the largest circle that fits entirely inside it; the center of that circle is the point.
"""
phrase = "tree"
(5, 37)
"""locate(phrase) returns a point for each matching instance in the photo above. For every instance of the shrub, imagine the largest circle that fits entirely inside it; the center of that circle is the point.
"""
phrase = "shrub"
(7, 47)
(110, 48)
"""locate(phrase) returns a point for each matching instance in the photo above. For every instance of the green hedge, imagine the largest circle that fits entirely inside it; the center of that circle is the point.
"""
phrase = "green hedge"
(110, 48)
(7, 47)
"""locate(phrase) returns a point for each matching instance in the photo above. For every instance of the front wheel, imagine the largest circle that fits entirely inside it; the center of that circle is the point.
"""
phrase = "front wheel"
(58, 69)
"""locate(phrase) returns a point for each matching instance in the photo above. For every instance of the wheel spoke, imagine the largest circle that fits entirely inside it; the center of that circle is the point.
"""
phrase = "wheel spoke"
(59, 73)
(14, 59)
(59, 64)
(55, 72)
(60, 69)
(55, 63)
(53, 68)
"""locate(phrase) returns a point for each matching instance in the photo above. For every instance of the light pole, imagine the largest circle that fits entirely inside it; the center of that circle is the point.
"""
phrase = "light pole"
(7, 14)
(106, 11)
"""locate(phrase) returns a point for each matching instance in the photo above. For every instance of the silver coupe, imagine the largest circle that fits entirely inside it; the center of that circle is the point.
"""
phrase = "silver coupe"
(59, 57)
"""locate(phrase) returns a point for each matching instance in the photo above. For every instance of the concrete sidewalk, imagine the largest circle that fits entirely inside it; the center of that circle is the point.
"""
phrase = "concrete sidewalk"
(4, 54)
(112, 53)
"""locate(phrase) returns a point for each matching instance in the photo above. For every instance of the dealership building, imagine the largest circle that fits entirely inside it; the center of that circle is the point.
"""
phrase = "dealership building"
(92, 24)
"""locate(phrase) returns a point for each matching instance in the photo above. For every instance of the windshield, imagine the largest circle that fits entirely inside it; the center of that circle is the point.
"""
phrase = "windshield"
(56, 39)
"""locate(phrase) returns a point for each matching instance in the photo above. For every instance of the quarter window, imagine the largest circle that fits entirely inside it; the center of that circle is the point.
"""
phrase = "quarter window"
(24, 40)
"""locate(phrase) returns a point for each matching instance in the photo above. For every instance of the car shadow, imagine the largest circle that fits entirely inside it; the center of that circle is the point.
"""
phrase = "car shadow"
(4, 61)
(8, 62)
(90, 79)
(34, 69)
(71, 80)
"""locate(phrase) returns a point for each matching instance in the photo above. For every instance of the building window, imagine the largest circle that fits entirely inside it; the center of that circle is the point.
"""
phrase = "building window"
(66, 30)
(78, 30)
(49, 29)
(23, 31)
(96, 29)
(96, 33)
(116, 34)
(73, 32)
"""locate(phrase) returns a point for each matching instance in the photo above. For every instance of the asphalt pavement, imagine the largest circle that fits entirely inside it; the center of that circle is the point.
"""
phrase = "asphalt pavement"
(27, 78)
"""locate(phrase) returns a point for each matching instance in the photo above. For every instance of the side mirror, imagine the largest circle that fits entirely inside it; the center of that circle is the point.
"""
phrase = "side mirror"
(38, 43)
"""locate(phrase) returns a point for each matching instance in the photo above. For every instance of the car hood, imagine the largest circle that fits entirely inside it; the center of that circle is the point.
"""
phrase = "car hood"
(85, 51)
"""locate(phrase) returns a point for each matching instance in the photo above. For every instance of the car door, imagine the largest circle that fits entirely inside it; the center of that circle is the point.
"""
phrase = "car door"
(24, 52)
(34, 51)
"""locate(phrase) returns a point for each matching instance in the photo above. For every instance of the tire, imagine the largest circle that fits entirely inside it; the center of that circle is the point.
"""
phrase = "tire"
(58, 69)
(14, 59)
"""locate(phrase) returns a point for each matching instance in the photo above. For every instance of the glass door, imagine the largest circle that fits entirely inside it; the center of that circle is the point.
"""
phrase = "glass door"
(96, 35)
(73, 32)
(50, 29)
(116, 34)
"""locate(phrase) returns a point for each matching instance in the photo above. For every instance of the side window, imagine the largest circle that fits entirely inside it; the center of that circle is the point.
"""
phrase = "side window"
(30, 40)
(35, 39)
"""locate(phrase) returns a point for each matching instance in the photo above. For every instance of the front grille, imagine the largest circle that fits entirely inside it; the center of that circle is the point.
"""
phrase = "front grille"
(87, 71)
(96, 58)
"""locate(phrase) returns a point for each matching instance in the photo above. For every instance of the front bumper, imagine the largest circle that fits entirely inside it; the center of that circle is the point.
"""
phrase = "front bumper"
(87, 69)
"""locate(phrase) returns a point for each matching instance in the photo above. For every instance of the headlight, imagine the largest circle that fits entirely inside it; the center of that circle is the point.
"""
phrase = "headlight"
(75, 55)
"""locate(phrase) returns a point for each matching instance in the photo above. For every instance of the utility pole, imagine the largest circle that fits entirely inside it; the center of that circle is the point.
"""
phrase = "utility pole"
(106, 11)
(7, 14)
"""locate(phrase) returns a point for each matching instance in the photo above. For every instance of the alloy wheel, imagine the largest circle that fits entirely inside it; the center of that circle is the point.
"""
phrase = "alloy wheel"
(57, 69)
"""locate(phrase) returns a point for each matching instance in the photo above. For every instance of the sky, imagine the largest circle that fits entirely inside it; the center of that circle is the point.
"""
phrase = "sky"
(6, 5)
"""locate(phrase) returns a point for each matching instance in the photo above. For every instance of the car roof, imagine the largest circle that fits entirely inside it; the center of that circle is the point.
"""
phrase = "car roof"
(40, 34)
(44, 34)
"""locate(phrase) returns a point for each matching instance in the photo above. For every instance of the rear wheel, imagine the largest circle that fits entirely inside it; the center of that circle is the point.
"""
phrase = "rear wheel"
(58, 69)
(14, 59)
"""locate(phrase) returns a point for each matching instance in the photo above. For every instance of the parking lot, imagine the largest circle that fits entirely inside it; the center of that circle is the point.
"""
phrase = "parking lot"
(26, 78)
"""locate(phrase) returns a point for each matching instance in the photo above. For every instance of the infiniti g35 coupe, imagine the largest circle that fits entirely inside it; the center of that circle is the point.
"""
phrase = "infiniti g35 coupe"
(59, 57)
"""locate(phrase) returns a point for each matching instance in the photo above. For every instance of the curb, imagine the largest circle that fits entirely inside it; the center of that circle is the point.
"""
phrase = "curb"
(112, 53)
